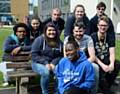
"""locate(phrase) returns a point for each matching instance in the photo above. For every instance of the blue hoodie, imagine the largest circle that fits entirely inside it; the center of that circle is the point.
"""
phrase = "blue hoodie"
(79, 73)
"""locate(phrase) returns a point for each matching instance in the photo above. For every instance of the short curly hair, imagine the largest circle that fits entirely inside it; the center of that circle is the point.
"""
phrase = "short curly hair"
(21, 25)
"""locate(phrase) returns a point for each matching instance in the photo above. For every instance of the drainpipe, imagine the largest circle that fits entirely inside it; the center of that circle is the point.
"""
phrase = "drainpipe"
(111, 11)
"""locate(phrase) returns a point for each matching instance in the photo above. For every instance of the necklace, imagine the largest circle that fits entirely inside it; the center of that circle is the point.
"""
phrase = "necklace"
(102, 43)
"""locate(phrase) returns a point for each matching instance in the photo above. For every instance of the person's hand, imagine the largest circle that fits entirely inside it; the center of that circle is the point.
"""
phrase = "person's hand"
(31, 38)
(105, 68)
(52, 66)
(111, 67)
(16, 51)
(48, 66)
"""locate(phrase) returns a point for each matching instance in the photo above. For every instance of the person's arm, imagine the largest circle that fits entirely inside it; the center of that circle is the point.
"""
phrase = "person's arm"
(89, 81)
(91, 52)
(26, 48)
(69, 26)
(9, 45)
(102, 65)
(112, 58)
(65, 41)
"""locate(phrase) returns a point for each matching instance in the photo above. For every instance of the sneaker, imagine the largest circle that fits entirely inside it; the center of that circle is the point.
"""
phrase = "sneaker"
(5, 84)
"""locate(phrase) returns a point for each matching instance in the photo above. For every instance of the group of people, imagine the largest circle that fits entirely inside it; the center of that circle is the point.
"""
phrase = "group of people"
(83, 63)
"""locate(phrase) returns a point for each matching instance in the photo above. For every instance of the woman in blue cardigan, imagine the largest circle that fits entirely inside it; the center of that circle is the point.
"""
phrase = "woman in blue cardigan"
(46, 53)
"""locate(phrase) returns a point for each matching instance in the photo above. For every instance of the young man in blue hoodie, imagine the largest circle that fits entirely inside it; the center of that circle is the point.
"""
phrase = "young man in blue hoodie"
(74, 72)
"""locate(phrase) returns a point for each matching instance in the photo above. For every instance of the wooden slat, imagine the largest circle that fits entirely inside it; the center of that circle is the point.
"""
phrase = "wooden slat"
(24, 53)
(17, 58)
(22, 56)
(19, 65)
(22, 73)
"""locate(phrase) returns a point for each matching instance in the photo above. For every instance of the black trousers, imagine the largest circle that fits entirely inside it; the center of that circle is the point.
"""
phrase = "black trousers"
(106, 80)
(76, 90)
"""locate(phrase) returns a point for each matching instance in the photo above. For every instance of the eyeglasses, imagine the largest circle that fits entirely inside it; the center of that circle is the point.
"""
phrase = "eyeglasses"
(101, 9)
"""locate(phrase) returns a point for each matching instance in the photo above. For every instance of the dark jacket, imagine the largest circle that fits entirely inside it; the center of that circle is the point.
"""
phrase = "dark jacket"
(36, 33)
(12, 42)
(93, 27)
(59, 24)
(44, 54)
(70, 24)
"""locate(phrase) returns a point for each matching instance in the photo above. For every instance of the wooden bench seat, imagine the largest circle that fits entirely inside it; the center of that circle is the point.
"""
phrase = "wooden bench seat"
(23, 74)
(22, 71)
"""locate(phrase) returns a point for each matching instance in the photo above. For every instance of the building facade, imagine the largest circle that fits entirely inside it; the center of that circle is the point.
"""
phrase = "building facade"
(67, 7)
(19, 9)
(45, 7)
(5, 11)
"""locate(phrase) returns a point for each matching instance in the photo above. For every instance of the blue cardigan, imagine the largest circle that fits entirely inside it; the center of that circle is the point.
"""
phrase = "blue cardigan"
(42, 53)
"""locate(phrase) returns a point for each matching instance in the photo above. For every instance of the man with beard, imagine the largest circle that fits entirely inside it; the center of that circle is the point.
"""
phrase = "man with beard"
(46, 53)
(86, 44)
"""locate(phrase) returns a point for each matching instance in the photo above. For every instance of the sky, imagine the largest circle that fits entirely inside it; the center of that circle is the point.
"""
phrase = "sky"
(34, 1)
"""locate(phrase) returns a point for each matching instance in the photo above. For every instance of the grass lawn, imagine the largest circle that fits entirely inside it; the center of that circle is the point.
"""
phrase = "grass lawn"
(4, 32)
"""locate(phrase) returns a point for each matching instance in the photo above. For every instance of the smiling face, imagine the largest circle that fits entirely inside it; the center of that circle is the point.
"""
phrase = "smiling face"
(78, 32)
(102, 26)
(35, 24)
(51, 32)
(71, 52)
(56, 13)
(21, 33)
(100, 11)
(79, 12)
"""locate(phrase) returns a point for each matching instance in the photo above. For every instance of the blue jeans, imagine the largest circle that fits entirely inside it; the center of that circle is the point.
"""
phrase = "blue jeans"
(96, 68)
(45, 75)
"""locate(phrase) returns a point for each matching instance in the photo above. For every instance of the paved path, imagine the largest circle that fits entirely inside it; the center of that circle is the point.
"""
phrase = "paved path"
(7, 90)
(115, 88)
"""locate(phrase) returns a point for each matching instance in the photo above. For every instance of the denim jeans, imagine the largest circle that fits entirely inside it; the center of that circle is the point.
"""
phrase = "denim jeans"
(96, 68)
(45, 76)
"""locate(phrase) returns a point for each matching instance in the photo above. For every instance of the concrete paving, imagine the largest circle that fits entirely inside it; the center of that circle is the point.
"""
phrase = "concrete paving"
(115, 88)
(7, 90)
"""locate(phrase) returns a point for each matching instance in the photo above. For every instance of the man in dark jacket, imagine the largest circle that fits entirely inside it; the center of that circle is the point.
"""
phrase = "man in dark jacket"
(93, 22)
(56, 20)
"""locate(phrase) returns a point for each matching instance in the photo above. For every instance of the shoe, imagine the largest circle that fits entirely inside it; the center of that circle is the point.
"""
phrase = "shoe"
(5, 84)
